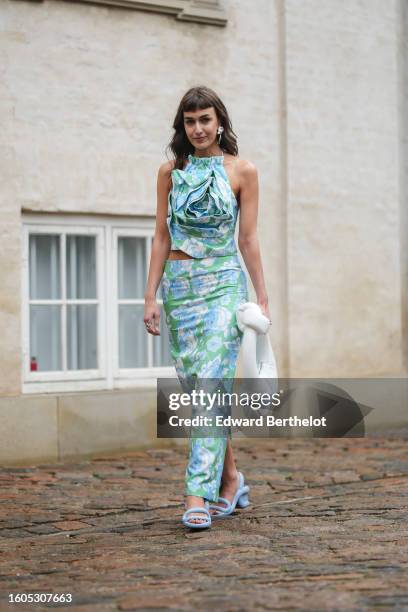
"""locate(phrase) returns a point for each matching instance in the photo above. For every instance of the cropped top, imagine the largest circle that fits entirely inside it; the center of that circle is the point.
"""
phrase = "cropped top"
(202, 209)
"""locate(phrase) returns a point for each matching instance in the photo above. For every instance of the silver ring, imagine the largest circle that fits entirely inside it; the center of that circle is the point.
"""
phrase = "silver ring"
(148, 324)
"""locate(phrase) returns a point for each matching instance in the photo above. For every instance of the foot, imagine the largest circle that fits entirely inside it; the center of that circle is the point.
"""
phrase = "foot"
(229, 486)
(196, 502)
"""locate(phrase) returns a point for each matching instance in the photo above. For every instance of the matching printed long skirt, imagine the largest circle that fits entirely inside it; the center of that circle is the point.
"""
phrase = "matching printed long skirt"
(200, 299)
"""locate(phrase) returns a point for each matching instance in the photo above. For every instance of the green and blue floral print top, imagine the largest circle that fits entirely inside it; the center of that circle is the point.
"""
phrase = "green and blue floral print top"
(202, 209)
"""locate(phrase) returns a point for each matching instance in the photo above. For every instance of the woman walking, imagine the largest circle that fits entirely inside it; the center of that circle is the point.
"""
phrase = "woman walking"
(194, 253)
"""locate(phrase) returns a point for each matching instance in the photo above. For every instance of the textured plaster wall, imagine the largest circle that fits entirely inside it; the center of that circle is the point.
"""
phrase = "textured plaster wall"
(344, 243)
(403, 166)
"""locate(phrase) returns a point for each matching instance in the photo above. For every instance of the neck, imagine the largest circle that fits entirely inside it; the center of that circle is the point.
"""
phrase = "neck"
(209, 152)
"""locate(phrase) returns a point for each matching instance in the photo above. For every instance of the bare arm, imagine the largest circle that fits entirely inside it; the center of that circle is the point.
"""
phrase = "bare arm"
(160, 249)
(247, 236)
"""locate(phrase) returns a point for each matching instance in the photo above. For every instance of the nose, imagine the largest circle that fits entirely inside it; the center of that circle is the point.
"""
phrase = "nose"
(197, 130)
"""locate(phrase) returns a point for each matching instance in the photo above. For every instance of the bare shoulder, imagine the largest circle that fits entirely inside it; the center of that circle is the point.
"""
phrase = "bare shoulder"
(243, 167)
(164, 175)
(166, 168)
(246, 169)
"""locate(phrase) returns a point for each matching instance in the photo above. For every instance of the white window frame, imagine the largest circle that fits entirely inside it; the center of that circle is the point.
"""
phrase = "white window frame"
(109, 376)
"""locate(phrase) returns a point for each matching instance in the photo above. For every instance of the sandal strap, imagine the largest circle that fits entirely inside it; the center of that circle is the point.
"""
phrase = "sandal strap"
(221, 508)
(226, 501)
(198, 509)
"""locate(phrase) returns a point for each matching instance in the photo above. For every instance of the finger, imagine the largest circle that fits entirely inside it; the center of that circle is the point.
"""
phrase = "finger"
(148, 325)
(156, 325)
(151, 327)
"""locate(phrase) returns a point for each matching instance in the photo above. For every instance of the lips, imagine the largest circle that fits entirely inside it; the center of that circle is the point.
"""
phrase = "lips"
(202, 138)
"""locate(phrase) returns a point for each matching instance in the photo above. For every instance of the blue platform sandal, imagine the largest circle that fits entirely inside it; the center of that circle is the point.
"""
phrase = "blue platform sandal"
(204, 523)
(240, 499)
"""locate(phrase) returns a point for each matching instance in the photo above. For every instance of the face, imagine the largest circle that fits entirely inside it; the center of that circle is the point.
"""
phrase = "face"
(201, 127)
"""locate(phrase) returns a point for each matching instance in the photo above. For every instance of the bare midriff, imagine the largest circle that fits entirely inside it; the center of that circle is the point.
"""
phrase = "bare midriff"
(179, 255)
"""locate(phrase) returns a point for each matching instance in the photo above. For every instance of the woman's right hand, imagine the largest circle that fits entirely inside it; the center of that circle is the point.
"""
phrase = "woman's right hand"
(152, 317)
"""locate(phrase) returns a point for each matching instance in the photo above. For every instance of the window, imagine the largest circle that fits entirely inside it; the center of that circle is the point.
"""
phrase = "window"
(83, 302)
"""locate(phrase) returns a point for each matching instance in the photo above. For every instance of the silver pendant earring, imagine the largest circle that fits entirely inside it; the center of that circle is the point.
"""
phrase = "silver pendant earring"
(220, 131)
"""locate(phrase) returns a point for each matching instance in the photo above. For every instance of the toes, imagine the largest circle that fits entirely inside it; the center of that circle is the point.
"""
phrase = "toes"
(197, 519)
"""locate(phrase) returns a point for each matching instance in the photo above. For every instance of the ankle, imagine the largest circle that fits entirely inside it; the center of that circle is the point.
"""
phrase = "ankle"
(230, 476)
(193, 500)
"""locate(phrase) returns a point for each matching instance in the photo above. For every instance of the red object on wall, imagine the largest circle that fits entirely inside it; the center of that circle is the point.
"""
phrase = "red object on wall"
(33, 364)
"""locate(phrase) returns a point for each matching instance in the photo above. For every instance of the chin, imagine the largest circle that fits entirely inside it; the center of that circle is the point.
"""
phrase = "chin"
(204, 144)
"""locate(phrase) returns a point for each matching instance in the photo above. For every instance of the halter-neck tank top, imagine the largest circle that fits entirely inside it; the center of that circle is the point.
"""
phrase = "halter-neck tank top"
(202, 209)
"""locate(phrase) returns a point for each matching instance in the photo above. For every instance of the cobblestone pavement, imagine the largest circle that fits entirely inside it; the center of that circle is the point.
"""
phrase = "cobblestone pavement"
(327, 529)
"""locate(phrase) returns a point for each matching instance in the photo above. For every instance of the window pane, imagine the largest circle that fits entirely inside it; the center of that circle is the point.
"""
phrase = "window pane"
(45, 338)
(82, 336)
(161, 346)
(44, 266)
(81, 267)
(132, 264)
(132, 337)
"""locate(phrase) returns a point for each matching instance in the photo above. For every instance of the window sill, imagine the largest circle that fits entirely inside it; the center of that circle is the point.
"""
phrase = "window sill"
(208, 12)
(146, 379)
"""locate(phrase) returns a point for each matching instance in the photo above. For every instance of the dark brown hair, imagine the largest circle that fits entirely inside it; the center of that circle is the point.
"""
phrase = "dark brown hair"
(194, 99)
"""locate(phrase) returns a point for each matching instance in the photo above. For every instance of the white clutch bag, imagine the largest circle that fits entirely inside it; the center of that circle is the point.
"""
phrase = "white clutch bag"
(258, 359)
